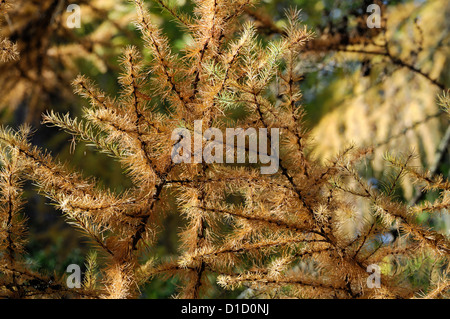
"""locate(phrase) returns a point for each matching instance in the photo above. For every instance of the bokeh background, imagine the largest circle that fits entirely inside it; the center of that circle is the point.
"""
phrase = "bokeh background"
(371, 87)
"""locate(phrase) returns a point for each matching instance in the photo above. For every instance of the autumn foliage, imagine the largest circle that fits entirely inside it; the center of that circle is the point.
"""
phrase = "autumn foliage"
(308, 231)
